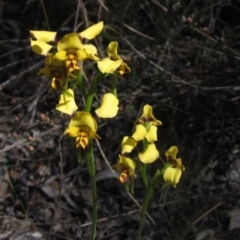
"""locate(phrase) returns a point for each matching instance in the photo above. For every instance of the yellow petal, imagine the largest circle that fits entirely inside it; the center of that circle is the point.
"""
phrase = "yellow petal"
(124, 68)
(112, 51)
(147, 116)
(109, 106)
(172, 175)
(92, 31)
(67, 103)
(140, 132)
(108, 66)
(171, 152)
(90, 48)
(56, 83)
(39, 47)
(81, 54)
(43, 36)
(179, 164)
(58, 63)
(127, 162)
(72, 131)
(151, 135)
(46, 71)
(92, 134)
(70, 41)
(150, 154)
(51, 61)
(60, 56)
(128, 144)
(91, 51)
(84, 119)
(124, 163)
(48, 59)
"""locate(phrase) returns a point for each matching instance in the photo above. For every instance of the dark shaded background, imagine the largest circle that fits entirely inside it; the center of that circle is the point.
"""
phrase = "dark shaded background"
(184, 57)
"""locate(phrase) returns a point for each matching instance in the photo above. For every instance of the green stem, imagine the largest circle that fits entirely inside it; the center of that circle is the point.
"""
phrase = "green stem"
(145, 178)
(92, 172)
(114, 84)
(80, 84)
(146, 200)
(92, 91)
(142, 168)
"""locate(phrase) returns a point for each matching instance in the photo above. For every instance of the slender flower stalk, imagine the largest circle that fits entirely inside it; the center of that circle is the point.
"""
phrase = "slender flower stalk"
(147, 198)
(91, 92)
(142, 168)
(92, 172)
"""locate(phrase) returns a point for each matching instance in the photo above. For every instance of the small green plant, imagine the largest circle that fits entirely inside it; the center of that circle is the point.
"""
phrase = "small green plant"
(64, 64)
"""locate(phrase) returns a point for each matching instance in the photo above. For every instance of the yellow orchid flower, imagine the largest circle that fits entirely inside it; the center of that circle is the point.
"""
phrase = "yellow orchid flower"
(126, 166)
(128, 144)
(109, 106)
(82, 127)
(147, 126)
(150, 154)
(40, 45)
(173, 173)
(171, 155)
(71, 49)
(148, 117)
(54, 69)
(114, 63)
(67, 102)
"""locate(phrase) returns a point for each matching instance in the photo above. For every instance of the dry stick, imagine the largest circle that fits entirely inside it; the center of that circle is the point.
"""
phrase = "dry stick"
(45, 14)
(20, 142)
(84, 13)
(206, 213)
(126, 214)
(215, 41)
(76, 16)
(33, 106)
(11, 146)
(133, 199)
(126, 7)
(160, 68)
(152, 63)
(15, 63)
(160, 5)
(137, 32)
(4, 84)
(179, 80)
(157, 66)
(103, 5)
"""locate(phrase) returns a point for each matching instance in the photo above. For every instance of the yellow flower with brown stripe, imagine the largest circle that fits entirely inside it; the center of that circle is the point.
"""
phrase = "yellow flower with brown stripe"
(126, 167)
(173, 173)
(83, 127)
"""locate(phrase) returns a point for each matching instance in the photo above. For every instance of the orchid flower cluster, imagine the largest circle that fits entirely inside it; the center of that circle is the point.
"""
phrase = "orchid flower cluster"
(64, 64)
(146, 132)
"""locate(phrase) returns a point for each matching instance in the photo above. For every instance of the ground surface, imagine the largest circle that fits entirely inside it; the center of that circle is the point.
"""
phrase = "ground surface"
(185, 59)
